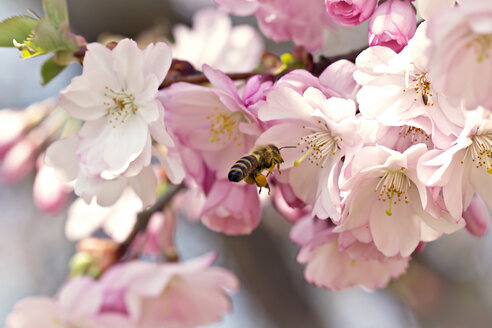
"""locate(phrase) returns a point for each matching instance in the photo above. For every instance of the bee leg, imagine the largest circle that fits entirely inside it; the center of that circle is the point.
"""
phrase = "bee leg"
(270, 169)
(249, 180)
(278, 168)
(261, 182)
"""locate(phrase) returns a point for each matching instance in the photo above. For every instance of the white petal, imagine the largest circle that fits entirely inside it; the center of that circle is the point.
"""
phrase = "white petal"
(125, 143)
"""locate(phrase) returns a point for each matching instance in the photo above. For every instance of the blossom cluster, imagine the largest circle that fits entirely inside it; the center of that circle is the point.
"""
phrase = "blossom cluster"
(377, 157)
(391, 23)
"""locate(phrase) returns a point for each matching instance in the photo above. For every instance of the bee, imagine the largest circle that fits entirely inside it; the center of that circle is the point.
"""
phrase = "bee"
(250, 166)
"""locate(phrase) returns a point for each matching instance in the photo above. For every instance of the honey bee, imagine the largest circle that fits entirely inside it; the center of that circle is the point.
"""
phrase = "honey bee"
(250, 166)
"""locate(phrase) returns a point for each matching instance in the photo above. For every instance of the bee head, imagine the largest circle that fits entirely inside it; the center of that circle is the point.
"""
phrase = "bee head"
(275, 150)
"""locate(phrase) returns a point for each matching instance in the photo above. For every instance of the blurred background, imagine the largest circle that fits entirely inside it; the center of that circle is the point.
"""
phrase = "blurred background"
(448, 285)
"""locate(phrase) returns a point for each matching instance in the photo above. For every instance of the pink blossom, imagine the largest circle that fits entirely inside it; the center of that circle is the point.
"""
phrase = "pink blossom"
(477, 217)
(350, 12)
(230, 208)
(214, 122)
(323, 131)
(214, 41)
(143, 290)
(116, 96)
(463, 167)
(282, 20)
(460, 63)
(50, 194)
(333, 262)
(386, 196)
(77, 305)
(396, 90)
(392, 25)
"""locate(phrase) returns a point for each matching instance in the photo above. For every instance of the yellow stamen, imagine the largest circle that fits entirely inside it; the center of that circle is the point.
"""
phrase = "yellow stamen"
(388, 211)
(296, 163)
(489, 167)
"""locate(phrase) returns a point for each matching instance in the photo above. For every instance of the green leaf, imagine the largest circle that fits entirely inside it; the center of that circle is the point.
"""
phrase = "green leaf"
(16, 28)
(50, 70)
(56, 11)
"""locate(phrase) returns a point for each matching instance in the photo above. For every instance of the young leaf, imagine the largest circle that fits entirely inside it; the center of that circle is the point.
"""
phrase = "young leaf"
(50, 70)
(16, 28)
(56, 11)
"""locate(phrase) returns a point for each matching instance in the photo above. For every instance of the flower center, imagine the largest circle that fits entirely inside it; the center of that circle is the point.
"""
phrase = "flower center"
(416, 135)
(393, 185)
(481, 43)
(223, 126)
(422, 86)
(481, 151)
(120, 106)
(319, 146)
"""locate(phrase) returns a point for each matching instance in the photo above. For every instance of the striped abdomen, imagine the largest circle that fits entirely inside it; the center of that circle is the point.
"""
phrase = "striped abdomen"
(243, 167)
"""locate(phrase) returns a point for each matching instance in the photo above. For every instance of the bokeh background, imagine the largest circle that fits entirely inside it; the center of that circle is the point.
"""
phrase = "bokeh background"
(448, 285)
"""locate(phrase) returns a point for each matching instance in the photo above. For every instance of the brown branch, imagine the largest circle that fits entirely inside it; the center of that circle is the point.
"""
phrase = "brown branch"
(143, 218)
(201, 78)
(316, 70)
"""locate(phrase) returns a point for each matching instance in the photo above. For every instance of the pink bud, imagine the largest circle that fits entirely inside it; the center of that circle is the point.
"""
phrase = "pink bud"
(393, 23)
(12, 125)
(350, 12)
(50, 194)
(18, 161)
(477, 217)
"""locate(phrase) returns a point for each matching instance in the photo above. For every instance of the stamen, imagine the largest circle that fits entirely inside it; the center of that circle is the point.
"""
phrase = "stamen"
(480, 151)
(481, 44)
(320, 145)
(224, 124)
(296, 163)
(121, 105)
(392, 186)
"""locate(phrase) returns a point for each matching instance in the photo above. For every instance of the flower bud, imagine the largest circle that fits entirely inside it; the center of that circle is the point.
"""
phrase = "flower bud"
(477, 217)
(350, 13)
(18, 161)
(50, 194)
(393, 23)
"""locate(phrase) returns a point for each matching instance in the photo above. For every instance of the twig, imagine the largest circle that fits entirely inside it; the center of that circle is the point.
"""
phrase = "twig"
(201, 78)
(317, 69)
(143, 218)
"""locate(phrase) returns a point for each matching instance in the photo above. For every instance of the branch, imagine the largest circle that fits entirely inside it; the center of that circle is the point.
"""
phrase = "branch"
(143, 218)
(201, 78)
(317, 68)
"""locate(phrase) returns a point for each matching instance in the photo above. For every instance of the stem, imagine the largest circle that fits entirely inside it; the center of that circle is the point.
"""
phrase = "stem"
(201, 78)
(143, 218)
(317, 69)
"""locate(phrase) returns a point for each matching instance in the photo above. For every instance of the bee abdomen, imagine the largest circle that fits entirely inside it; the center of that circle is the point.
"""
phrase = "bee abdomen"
(242, 168)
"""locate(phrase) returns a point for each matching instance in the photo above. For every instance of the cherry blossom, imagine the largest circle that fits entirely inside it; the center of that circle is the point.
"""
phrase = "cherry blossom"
(232, 209)
(350, 12)
(392, 25)
(323, 131)
(142, 289)
(116, 96)
(396, 90)
(333, 262)
(78, 305)
(461, 53)
(235, 49)
(385, 194)
(465, 166)
(214, 122)
(283, 20)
